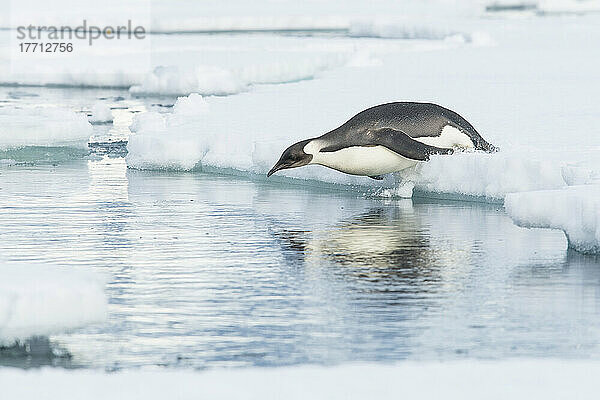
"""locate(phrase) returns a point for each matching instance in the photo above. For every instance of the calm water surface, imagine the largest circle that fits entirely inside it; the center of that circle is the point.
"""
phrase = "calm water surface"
(208, 270)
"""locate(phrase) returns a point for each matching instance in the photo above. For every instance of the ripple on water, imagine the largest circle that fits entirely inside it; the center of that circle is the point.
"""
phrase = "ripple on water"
(210, 270)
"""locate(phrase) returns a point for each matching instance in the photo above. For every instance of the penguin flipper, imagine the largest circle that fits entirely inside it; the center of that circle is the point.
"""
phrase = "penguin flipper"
(394, 140)
(404, 145)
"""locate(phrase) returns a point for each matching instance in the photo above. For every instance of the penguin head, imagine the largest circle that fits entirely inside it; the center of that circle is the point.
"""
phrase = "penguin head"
(293, 157)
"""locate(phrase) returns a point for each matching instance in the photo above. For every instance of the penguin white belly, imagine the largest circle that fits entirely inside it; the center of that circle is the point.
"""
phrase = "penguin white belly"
(367, 161)
(449, 137)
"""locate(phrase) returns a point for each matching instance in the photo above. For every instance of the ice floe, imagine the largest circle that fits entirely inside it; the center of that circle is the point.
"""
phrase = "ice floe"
(43, 126)
(40, 300)
(575, 210)
(213, 136)
(197, 135)
(101, 113)
(551, 145)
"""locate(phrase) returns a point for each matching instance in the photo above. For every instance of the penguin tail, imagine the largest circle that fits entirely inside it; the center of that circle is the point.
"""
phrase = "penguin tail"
(487, 147)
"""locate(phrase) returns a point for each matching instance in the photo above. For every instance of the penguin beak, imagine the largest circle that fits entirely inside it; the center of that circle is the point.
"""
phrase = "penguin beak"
(273, 170)
(276, 168)
(287, 164)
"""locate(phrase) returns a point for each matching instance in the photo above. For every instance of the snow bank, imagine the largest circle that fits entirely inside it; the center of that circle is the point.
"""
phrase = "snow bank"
(540, 148)
(575, 210)
(488, 175)
(212, 136)
(101, 113)
(43, 126)
(515, 379)
(214, 80)
(38, 300)
(198, 135)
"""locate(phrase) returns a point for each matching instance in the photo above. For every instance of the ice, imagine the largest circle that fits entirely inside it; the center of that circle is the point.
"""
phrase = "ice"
(536, 111)
(544, 7)
(205, 134)
(101, 113)
(170, 137)
(575, 210)
(568, 6)
(216, 64)
(403, 190)
(40, 300)
(422, 28)
(43, 126)
(214, 80)
(489, 176)
(514, 379)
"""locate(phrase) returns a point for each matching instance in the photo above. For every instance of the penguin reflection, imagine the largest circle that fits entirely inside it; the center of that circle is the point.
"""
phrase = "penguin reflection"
(385, 243)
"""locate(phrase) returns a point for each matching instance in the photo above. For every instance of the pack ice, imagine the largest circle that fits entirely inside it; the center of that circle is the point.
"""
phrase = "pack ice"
(41, 300)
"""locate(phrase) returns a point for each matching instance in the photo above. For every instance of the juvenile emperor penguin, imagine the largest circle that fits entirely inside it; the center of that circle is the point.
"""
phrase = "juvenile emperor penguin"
(386, 138)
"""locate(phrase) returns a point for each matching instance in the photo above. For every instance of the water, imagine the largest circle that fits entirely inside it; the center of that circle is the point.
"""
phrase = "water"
(210, 270)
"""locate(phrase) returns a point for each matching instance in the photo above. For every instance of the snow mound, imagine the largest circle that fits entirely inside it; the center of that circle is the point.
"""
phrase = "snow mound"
(470, 379)
(488, 175)
(575, 210)
(37, 300)
(176, 81)
(101, 113)
(43, 126)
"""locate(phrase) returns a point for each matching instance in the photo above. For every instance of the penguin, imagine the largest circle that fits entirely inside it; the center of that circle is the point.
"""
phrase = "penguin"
(386, 138)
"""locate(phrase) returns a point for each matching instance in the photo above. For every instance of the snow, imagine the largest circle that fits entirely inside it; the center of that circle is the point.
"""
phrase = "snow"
(180, 64)
(575, 210)
(541, 144)
(214, 80)
(514, 379)
(489, 176)
(201, 134)
(206, 135)
(568, 6)
(42, 126)
(101, 113)
(239, 15)
(400, 28)
(39, 300)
